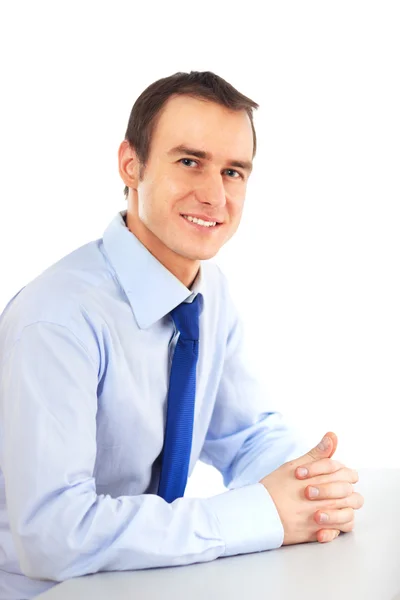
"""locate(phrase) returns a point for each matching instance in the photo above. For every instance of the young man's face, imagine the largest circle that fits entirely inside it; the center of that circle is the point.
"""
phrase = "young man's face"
(177, 183)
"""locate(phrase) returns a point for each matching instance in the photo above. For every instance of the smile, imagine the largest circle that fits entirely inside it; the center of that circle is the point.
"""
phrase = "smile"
(200, 222)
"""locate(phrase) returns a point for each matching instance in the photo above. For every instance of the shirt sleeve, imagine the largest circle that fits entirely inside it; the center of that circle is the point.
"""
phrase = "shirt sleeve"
(246, 439)
(61, 527)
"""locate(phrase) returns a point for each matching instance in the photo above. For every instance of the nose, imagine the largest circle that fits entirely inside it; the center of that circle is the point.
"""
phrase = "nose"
(212, 191)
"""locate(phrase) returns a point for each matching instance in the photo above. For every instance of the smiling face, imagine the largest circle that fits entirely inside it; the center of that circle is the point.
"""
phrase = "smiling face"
(198, 166)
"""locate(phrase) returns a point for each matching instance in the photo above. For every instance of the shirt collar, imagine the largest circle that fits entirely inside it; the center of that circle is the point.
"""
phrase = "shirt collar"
(152, 290)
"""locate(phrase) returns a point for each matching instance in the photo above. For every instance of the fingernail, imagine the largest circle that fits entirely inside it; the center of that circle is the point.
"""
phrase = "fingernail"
(324, 443)
(323, 517)
(302, 471)
(313, 492)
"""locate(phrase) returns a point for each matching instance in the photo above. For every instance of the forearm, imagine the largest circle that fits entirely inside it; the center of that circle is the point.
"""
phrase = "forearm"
(75, 532)
(270, 444)
(246, 456)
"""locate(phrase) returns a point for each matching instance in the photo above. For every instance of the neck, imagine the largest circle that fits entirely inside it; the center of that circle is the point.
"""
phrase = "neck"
(185, 270)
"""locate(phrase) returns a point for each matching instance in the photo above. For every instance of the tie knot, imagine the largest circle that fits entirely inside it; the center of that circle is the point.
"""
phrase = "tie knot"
(186, 319)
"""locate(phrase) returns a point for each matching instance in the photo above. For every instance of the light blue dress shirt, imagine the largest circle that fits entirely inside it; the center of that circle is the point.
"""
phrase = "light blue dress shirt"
(85, 354)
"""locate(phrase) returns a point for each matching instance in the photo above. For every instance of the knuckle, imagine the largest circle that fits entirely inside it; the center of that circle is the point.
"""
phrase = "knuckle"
(338, 491)
(335, 504)
(348, 473)
(318, 466)
(350, 526)
(341, 475)
(342, 516)
(344, 502)
(351, 475)
(334, 465)
(358, 501)
(353, 501)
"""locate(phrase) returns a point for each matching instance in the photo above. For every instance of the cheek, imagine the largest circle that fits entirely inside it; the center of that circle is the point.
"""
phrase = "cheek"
(164, 192)
(236, 207)
(174, 189)
(156, 201)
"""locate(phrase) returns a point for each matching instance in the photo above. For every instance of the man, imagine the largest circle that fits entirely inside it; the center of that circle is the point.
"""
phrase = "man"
(121, 366)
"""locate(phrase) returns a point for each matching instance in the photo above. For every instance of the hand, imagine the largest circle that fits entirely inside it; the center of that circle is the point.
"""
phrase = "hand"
(299, 515)
(314, 473)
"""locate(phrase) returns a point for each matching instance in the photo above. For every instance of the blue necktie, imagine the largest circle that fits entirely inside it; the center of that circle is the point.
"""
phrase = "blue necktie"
(181, 398)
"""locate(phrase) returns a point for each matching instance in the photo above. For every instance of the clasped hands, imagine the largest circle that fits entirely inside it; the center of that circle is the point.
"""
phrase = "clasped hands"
(314, 495)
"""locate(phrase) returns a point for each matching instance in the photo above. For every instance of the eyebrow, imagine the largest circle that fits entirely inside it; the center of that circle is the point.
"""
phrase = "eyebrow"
(182, 149)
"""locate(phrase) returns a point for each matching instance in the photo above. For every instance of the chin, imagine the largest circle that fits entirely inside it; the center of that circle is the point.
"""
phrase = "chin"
(208, 255)
(204, 254)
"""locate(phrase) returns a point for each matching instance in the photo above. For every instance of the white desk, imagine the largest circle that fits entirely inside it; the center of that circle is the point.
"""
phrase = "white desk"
(364, 564)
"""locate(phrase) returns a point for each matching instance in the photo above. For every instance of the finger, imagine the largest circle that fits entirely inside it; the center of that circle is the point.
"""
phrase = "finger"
(319, 467)
(327, 535)
(347, 527)
(325, 449)
(336, 489)
(334, 518)
(354, 501)
(343, 474)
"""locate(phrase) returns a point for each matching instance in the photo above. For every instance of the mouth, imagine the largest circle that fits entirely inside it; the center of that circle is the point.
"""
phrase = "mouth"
(201, 224)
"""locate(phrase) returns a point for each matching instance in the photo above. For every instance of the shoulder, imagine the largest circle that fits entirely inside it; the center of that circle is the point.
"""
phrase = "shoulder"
(67, 294)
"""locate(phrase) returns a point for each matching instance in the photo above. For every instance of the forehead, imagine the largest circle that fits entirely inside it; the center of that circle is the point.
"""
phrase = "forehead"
(205, 125)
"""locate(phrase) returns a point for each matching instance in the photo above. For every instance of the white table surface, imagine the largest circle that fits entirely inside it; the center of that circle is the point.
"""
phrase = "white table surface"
(363, 564)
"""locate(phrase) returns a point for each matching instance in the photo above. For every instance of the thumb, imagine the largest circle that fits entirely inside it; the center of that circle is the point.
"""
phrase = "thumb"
(325, 449)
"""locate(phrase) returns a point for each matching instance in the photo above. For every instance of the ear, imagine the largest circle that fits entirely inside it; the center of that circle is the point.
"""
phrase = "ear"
(128, 165)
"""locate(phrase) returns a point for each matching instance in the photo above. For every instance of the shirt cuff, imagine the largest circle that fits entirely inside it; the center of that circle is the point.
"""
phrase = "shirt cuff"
(248, 518)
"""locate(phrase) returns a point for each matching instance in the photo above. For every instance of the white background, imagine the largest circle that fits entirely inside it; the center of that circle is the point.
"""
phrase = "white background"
(314, 267)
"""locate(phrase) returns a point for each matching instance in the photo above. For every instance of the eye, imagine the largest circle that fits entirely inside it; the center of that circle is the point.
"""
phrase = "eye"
(237, 173)
(190, 160)
(187, 160)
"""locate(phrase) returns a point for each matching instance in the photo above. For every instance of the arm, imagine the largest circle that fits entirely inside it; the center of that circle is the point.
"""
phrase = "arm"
(246, 439)
(60, 526)
(248, 442)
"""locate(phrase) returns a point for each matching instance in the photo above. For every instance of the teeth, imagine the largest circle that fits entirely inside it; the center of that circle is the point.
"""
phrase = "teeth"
(200, 221)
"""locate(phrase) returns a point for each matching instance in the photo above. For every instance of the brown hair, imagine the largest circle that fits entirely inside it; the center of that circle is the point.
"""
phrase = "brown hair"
(198, 84)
